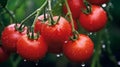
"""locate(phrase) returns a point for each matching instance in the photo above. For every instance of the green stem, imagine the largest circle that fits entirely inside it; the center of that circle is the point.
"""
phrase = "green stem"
(70, 14)
(14, 63)
(75, 33)
(34, 12)
(51, 21)
(110, 54)
(10, 14)
(33, 25)
(17, 61)
(97, 50)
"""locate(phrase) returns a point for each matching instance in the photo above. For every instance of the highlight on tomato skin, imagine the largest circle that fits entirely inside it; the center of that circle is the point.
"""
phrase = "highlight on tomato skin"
(31, 50)
(79, 50)
(10, 37)
(94, 21)
(4, 56)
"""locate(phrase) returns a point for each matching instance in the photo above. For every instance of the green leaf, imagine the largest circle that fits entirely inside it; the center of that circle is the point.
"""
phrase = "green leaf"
(3, 3)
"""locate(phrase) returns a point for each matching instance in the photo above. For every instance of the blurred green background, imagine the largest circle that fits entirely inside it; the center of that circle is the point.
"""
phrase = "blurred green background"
(22, 8)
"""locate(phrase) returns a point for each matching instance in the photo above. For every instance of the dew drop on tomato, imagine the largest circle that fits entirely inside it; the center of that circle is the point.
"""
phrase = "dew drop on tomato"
(25, 60)
(103, 46)
(119, 63)
(104, 5)
(83, 65)
(59, 55)
(90, 33)
(36, 63)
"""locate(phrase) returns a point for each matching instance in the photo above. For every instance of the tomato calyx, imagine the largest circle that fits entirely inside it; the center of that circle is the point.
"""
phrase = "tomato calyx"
(31, 35)
(74, 36)
(19, 28)
(88, 8)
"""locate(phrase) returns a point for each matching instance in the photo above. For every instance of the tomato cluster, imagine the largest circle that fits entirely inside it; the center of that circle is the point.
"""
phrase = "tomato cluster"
(55, 34)
(92, 21)
(92, 17)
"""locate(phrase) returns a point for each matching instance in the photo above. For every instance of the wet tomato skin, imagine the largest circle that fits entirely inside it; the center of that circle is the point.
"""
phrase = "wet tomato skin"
(55, 35)
(10, 37)
(95, 21)
(79, 50)
(32, 50)
(39, 22)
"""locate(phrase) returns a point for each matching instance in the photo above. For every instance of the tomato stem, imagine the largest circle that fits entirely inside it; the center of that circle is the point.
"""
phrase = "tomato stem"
(111, 57)
(37, 12)
(34, 12)
(51, 21)
(45, 18)
(88, 7)
(97, 52)
(33, 25)
(75, 33)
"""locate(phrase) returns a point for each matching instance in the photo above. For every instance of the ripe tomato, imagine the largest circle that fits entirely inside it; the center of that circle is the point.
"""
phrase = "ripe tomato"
(38, 23)
(79, 50)
(94, 21)
(3, 55)
(10, 37)
(55, 35)
(98, 2)
(32, 50)
(75, 7)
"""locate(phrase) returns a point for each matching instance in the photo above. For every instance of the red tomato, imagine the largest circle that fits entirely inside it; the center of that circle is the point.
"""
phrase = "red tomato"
(10, 37)
(39, 23)
(3, 55)
(55, 35)
(75, 7)
(31, 50)
(98, 2)
(79, 50)
(94, 21)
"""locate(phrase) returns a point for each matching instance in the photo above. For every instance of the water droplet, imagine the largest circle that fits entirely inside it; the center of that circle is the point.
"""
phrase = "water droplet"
(103, 46)
(83, 65)
(90, 33)
(59, 55)
(25, 60)
(37, 63)
(104, 5)
(60, 4)
(119, 63)
(65, 41)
